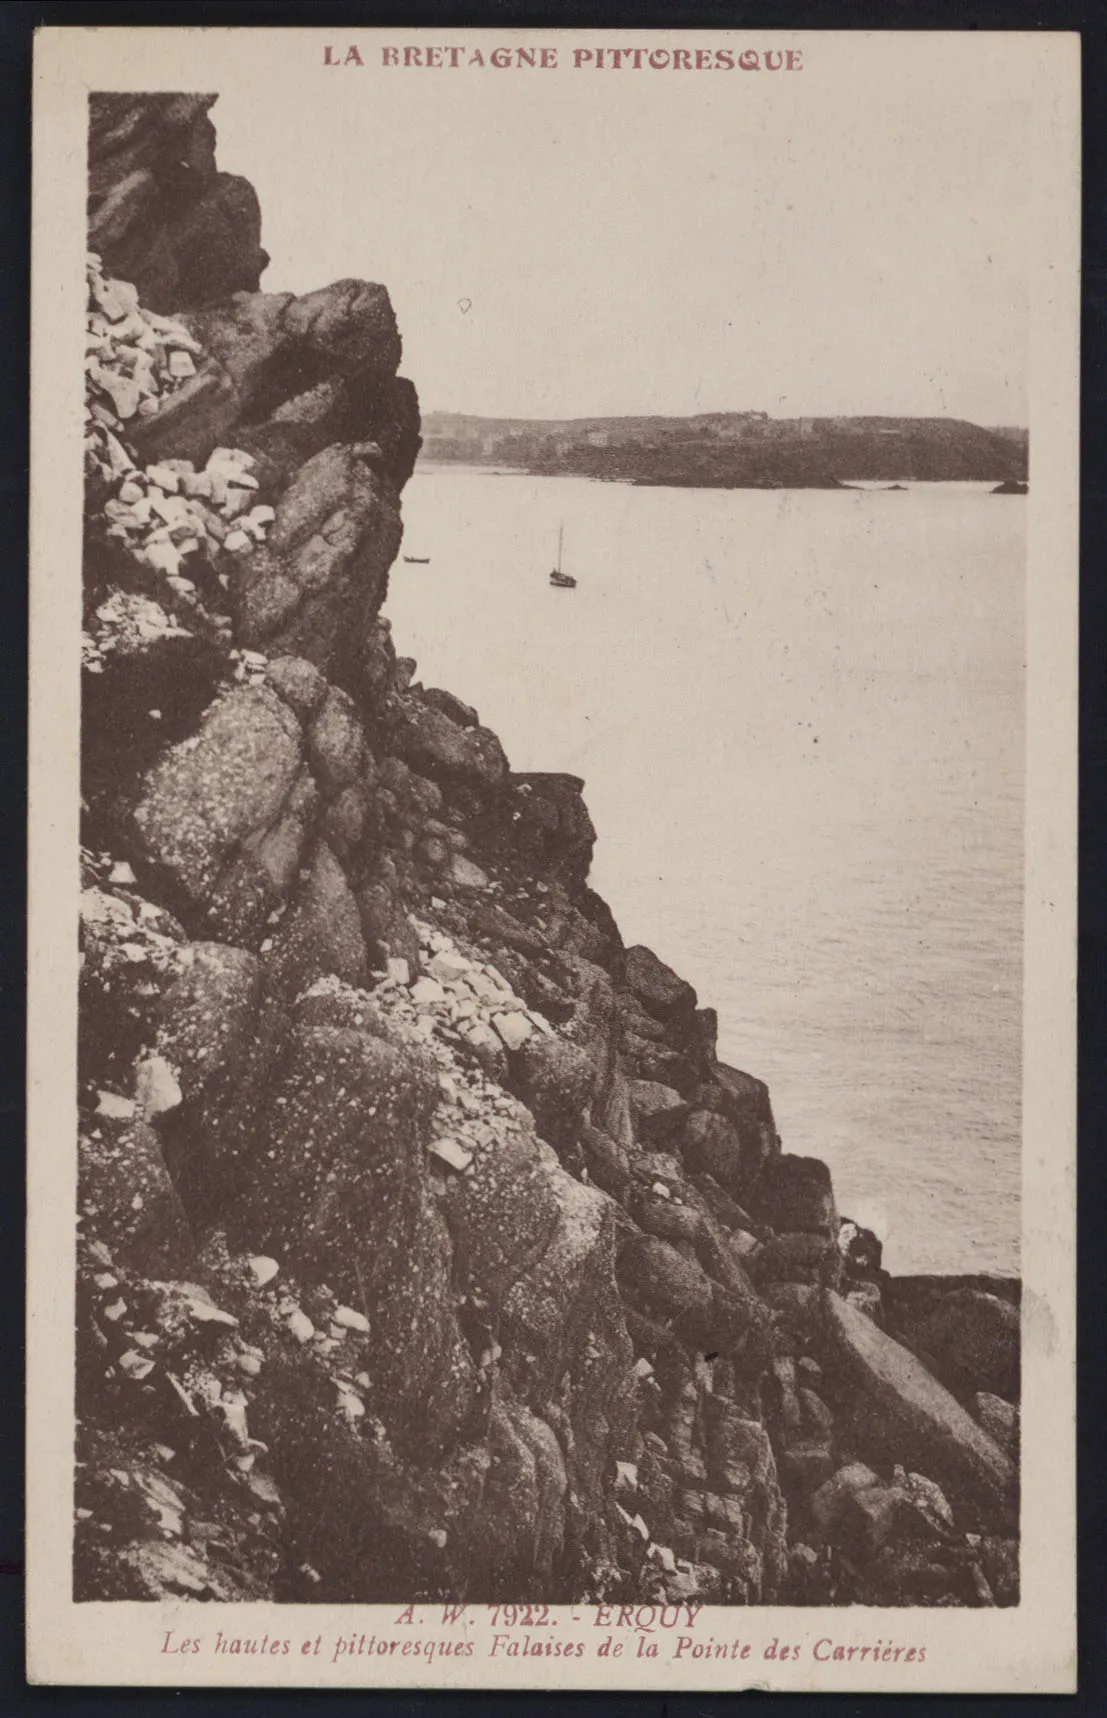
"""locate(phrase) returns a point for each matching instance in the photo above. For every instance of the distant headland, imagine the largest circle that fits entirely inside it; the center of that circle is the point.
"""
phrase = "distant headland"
(734, 450)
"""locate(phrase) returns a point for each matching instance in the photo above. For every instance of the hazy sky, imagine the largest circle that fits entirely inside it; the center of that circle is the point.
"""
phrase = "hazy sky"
(649, 243)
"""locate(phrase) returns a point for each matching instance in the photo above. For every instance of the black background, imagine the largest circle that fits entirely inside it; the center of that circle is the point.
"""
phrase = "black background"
(17, 24)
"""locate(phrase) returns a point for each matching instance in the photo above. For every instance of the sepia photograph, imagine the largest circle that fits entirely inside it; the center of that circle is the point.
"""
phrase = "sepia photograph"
(552, 1034)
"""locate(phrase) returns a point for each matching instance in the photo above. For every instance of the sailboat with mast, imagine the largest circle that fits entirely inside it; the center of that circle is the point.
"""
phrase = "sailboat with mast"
(563, 581)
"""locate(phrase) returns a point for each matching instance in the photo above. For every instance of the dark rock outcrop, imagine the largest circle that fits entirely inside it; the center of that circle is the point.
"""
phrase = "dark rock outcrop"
(795, 1195)
(441, 748)
(160, 212)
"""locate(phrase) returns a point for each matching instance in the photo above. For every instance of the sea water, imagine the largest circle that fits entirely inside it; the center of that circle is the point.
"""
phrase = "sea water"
(799, 717)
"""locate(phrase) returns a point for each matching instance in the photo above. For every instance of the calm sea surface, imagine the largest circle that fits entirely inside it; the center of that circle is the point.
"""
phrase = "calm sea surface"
(799, 715)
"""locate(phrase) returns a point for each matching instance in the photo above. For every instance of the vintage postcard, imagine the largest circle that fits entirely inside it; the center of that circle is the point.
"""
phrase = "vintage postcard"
(553, 832)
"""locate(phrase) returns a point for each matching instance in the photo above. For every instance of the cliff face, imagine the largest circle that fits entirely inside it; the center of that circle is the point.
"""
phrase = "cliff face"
(426, 1248)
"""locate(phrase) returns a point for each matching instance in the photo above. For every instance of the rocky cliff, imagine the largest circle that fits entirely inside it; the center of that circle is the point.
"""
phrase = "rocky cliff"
(426, 1248)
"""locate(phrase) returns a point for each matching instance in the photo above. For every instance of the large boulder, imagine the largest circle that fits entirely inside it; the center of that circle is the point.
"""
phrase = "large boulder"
(658, 988)
(861, 1514)
(208, 1017)
(299, 683)
(744, 1102)
(223, 1035)
(796, 1257)
(408, 800)
(568, 1356)
(660, 1279)
(554, 1078)
(545, 820)
(743, 1097)
(335, 1191)
(128, 1200)
(438, 747)
(502, 1214)
(322, 933)
(607, 1163)
(710, 1145)
(659, 1111)
(336, 744)
(281, 374)
(283, 379)
(340, 1195)
(795, 1194)
(898, 1412)
(450, 705)
(648, 1061)
(348, 327)
(829, 1501)
(195, 812)
(314, 586)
